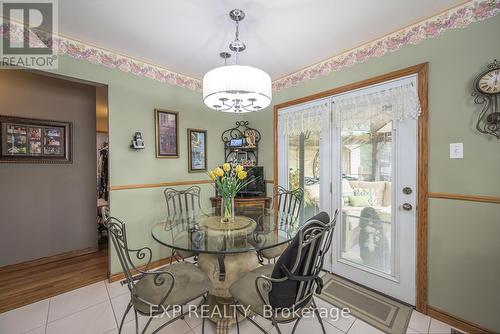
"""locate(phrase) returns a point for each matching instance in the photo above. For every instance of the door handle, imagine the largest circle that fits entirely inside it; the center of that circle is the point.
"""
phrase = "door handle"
(407, 190)
(407, 206)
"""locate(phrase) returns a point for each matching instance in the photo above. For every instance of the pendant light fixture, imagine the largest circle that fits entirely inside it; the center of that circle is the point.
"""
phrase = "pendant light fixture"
(236, 88)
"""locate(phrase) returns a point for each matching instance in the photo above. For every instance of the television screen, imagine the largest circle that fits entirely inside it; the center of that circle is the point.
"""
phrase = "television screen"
(255, 188)
(258, 186)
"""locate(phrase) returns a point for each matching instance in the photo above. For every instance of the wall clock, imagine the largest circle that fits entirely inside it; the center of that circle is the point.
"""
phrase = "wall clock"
(487, 94)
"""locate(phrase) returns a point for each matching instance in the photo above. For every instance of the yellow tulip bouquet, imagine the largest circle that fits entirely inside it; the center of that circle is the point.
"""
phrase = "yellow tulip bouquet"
(229, 179)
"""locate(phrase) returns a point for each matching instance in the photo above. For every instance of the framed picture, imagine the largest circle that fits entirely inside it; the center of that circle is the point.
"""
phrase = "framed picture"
(241, 156)
(166, 133)
(34, 140)
(197, 150)
(236, 142)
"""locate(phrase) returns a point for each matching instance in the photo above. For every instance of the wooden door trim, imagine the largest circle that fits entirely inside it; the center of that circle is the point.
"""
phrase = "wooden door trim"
(416, 69)
(423, 160)
(422, 190)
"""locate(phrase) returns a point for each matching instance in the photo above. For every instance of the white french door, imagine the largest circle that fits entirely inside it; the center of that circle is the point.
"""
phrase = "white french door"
(375, 181)
(368, 172)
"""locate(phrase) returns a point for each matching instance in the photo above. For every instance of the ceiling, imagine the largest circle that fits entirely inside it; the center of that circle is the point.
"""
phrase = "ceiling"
(282, 36)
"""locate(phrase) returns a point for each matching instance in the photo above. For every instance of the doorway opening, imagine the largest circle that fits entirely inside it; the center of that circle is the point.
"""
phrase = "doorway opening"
(51, 213)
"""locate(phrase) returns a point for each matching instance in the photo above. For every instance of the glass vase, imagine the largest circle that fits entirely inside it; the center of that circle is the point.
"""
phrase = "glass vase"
(227, 210)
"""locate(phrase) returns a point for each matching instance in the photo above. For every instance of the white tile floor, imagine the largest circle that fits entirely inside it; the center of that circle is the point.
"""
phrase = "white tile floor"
(98, 308)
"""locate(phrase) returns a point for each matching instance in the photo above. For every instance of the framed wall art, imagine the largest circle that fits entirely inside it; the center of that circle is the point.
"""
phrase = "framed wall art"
(197, 150)
(241, 156)
(32, 140)
(166, 133)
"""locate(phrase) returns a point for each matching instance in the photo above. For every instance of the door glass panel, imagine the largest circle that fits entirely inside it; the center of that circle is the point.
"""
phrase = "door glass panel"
(366, 222)
(303, 169)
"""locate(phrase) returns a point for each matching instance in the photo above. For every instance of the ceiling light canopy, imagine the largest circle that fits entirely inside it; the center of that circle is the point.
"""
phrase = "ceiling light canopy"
(236, 88)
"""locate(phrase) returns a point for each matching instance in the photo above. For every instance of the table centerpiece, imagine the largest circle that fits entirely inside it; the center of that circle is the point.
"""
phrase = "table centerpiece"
(229, 179)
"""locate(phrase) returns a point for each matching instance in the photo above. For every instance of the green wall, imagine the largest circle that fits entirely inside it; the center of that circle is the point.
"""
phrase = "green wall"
(464, 251)
(132, 100)
(463, 247)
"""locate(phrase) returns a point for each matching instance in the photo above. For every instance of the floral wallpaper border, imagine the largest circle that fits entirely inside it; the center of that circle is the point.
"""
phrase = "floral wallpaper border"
(96, 55)
(110, 59)
(458, 17)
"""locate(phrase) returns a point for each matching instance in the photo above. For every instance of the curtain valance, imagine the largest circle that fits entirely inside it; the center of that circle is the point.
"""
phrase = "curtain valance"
(365, 110)
(302, 119)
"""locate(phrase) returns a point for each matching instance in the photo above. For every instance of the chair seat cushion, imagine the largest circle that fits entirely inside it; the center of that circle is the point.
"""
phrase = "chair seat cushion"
(245, 292)
(273, 252)
(190, 283)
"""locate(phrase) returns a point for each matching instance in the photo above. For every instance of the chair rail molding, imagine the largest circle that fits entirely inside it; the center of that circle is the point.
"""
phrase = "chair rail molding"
(165, 184)
(463, 197)
(159, 184)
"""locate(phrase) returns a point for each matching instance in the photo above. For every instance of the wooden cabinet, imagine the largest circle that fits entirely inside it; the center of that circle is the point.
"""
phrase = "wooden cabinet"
(245, 202)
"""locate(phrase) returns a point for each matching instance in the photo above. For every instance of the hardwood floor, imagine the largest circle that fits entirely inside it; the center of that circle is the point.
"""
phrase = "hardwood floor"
(28, 283)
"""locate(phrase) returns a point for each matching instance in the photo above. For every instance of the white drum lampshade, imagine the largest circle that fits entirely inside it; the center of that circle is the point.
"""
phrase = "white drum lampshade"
(237, 88)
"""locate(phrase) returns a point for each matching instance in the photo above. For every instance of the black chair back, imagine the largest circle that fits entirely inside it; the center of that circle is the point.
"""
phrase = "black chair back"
(183, 203)
(301, 264)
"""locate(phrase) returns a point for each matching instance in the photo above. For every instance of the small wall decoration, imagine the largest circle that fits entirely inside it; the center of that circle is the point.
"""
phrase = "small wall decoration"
(248, 163)
(34, 140)
(487, 93)
(167, 133)
(250, 138)
(236, 142)
(137, 142)
(197, 148)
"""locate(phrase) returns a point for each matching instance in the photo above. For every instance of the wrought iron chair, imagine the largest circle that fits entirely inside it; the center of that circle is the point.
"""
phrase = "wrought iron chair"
(155, 292)
(183, 204)
(290, 284)
(288, 204)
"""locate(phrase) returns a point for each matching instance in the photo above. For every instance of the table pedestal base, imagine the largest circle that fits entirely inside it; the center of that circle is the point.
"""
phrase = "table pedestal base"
(223, 271)
(221, 311)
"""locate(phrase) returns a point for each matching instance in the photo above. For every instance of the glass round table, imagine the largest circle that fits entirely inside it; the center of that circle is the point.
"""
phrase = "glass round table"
(226, 251)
